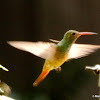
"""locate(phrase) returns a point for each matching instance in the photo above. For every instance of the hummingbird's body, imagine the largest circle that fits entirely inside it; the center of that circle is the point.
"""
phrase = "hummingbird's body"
(57, 59)
(60, 55)
(56, 54)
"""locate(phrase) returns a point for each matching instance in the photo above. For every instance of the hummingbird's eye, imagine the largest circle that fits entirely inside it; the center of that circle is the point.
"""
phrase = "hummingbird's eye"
(73, 33)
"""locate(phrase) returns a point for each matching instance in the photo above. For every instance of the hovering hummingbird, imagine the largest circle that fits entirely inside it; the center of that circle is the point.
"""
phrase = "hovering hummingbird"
(55, 54)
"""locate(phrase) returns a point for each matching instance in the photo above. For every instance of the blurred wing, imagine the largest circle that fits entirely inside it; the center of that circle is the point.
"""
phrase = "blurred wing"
(42, 49)
(81, 50)
(55, 41)
(2, 97)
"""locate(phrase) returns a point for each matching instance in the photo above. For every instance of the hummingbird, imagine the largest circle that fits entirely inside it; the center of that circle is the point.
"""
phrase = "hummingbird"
(56, 52)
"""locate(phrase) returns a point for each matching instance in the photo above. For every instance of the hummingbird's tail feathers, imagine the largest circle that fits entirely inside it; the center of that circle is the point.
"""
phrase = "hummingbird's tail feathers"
(41, 49)
(81, 50)
(43, 74)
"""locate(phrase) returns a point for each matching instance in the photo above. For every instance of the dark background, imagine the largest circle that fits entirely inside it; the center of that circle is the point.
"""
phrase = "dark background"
(40, 20)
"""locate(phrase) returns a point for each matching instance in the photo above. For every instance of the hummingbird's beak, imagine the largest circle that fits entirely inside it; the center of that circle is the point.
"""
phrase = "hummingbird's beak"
(87, 33)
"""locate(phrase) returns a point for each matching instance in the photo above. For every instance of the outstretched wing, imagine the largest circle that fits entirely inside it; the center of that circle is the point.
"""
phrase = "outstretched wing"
(81, 50)
(55, 41)
(42, 49)
(2, 97)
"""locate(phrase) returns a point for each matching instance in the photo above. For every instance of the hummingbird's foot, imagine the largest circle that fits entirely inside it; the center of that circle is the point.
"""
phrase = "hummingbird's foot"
(58, 69)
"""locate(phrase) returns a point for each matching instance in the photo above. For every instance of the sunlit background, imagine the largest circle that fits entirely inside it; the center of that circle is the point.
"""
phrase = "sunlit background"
(41, 20)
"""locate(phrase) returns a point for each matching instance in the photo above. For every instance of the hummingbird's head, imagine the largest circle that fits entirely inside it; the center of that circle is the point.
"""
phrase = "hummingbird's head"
(72, 35)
